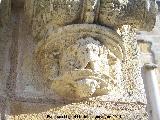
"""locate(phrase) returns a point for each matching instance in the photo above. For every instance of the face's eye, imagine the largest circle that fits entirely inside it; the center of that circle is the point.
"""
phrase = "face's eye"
(75, 53)
(87, 50)
(94, 50)
(88, 66)
(83, 52)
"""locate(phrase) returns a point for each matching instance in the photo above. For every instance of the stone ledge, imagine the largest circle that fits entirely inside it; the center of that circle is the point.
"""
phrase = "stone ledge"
(109, 110)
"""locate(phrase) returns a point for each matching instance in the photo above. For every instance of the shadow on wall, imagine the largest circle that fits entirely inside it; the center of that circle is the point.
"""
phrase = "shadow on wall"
(19, 108)
(158, 3)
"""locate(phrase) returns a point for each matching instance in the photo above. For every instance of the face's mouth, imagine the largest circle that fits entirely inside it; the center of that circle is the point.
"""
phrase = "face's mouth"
(81, 83)
(75, 75)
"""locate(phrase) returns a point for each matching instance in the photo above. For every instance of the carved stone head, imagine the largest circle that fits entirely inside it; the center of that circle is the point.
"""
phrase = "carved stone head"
(83, 69)
(79, 67)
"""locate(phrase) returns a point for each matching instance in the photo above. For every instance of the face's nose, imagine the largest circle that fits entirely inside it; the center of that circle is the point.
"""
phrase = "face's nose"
(89, 66)
(92, 66)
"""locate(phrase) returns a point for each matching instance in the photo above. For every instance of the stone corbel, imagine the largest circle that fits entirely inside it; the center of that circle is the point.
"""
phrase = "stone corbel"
(51, 20)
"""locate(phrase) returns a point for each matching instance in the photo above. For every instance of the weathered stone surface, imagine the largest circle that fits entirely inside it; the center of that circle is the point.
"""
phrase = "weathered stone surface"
(145, 52)
(114, 13)
(5, 11)
(57, 13)
(48, 53)
(5, 37)
(131, 65)
(81, 111)
(2, 108)
(136, 13)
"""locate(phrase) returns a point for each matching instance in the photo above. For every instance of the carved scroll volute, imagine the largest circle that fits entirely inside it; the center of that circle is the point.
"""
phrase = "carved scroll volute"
(46, 15)
(140, 14)
(52, 14)
(77, 64)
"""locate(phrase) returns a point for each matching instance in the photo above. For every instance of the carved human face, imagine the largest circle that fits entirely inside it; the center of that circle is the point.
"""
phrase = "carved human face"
(85, 54)
(83, 69)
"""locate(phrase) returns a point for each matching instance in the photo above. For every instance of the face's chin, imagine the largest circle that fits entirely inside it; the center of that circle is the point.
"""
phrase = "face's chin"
(86, 87)
(76, 90)
(80, 84)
